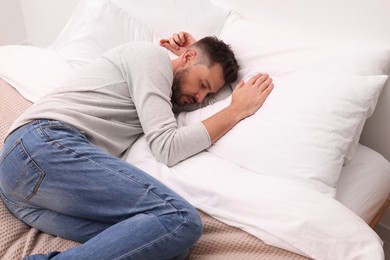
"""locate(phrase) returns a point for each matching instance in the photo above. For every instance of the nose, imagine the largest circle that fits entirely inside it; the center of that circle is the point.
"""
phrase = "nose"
(200, 96)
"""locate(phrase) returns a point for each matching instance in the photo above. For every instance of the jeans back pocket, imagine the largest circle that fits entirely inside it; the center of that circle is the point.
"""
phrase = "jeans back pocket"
(20, 176)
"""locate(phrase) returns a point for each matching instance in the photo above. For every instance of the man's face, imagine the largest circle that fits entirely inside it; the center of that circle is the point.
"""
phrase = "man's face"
(194, 83)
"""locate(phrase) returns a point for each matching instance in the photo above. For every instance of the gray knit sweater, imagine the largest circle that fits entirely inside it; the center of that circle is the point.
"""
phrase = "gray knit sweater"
(116, 98)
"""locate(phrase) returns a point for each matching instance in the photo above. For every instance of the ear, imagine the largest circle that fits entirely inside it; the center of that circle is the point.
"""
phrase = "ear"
(188, 57)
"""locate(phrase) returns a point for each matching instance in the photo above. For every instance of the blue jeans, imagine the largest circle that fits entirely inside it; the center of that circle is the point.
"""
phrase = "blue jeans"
(54, 179)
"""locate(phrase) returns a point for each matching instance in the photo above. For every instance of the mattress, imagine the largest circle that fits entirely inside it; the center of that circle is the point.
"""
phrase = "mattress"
(219, 241)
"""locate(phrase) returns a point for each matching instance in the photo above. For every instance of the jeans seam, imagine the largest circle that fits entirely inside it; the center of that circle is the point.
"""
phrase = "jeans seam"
(60, 125)
(42, 131)
(9, 151)
(12, 202)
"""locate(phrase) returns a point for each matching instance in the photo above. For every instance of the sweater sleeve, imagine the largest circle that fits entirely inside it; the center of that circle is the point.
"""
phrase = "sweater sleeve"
(147, 70)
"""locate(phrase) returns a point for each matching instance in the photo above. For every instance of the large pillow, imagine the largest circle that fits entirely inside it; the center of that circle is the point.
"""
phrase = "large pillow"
(99, 25)
(95, 27)
(260, 47)
(198, 17)
(33, 71)
(303, 131)
(310, 124)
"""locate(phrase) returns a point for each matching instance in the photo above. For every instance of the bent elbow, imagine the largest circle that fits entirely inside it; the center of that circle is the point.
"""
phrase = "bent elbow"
(167, 160)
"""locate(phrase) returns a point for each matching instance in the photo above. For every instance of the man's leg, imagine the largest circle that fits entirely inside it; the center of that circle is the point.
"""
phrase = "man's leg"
(55, 180)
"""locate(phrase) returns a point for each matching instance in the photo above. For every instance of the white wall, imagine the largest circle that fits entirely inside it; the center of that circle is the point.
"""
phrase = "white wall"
(12, 29)
(44, 19)
(35, 22)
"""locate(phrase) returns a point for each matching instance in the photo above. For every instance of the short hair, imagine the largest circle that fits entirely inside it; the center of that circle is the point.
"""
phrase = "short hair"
(215, 51)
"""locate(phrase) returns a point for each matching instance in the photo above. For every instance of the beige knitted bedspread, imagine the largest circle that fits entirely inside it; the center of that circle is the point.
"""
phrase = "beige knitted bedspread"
(219, 241)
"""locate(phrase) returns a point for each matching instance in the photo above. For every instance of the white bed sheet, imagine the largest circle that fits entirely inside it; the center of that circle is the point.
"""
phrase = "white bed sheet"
(364, 183)
(279, 211)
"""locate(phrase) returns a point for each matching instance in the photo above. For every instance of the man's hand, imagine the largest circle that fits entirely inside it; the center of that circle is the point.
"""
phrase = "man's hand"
(247, 98)
(178, 43)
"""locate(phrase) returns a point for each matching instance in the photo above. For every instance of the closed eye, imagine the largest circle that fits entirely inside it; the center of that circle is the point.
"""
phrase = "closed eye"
(206, 85)
(203, 85)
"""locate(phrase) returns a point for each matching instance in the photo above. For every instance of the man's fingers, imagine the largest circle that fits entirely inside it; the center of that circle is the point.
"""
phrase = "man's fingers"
(173, 43)
(182, 37)
(263, 85)
(260, 80)
(177, 39)
(239, 85)
(162, 41)
(267, 91)
(167, 45)
(254, 78)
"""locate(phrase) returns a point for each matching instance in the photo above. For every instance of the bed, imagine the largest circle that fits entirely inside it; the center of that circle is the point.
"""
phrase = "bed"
(291, 182)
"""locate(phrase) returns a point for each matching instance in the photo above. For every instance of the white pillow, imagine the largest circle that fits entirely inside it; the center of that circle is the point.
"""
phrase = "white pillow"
(310, 125)
(33, 71)
(262, 48)
(95, 27)
(198, 17)
(99, 25)
(304, 129)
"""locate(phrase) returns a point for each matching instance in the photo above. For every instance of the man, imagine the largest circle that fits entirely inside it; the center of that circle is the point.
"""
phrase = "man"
(61, 169)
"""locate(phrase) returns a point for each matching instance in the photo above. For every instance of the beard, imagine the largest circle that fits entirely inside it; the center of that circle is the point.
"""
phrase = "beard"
(177, 86)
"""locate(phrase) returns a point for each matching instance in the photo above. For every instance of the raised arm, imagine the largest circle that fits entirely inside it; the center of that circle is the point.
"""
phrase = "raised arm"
(247, 98)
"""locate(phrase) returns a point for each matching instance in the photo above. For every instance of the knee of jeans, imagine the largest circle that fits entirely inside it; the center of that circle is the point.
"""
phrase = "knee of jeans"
(193, 224)
(196, 221)
(186, 225)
